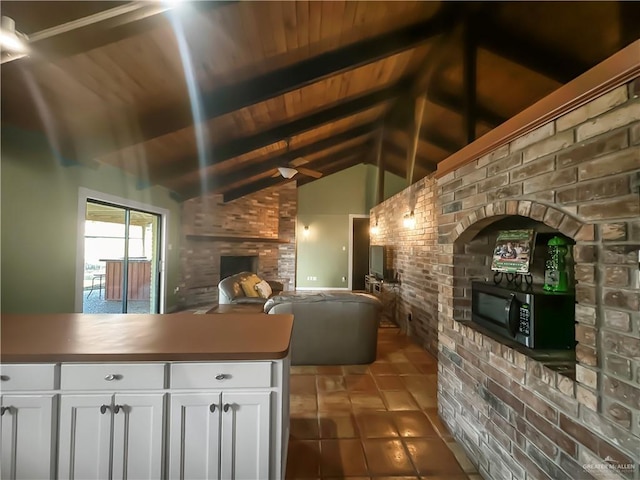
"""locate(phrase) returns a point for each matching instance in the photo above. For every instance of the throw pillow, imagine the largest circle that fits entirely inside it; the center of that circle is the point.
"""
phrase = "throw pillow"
(248, 286)
(264, 289)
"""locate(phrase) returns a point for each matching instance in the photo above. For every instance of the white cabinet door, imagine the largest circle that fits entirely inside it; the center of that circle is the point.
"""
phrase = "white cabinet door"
(244, 445)
(194, 431)
(85, 437)
(137, 436)
(26, 428)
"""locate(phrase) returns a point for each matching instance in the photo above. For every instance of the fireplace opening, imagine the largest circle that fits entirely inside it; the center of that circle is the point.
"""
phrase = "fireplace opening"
(232, 264)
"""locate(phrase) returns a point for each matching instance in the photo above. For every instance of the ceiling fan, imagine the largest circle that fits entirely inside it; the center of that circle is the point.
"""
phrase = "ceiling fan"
(294, 167)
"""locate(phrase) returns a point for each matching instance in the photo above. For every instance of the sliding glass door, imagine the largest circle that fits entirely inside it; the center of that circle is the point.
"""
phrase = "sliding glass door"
(121, 259)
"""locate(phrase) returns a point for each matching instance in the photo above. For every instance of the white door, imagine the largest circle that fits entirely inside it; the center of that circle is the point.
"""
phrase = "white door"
(194, 430)
(137, 436)
(245, 435)
(85, 437)
(27, 430)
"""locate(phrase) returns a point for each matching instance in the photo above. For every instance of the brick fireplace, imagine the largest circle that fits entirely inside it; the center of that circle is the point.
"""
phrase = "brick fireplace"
(578, 174)
(261, 225)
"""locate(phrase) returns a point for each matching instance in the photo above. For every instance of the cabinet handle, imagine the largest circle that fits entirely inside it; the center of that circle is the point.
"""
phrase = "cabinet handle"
(4, 409)
(4, 378)
(212, 407)
(104, 408)
(226, 407)
(222, 376)
(116, 409)
(112, 376)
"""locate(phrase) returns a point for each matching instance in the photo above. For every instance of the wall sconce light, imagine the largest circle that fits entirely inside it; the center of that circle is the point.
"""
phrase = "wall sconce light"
(305, 232)
(409, 220)
(374, 229)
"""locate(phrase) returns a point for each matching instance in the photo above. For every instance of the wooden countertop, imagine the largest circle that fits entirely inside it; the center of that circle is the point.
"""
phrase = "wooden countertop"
(79, 337)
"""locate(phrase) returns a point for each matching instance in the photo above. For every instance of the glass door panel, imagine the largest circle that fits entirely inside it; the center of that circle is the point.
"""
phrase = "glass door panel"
(121, 259)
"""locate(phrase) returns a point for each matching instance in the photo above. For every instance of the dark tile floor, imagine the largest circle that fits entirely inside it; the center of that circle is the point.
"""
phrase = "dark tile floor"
(377, 421)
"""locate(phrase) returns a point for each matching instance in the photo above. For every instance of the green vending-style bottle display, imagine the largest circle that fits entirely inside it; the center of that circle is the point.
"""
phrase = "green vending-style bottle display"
(555, 274)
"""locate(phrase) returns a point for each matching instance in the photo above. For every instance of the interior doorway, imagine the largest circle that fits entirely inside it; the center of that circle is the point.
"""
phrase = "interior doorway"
(359, 251)
(122, 258)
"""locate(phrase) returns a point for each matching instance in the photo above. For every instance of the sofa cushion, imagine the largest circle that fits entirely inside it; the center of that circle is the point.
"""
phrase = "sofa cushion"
(249, 286)
(264, 289)
(303, 297)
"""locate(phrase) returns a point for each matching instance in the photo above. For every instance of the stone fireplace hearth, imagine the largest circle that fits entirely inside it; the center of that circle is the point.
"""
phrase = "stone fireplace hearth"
(580, 175)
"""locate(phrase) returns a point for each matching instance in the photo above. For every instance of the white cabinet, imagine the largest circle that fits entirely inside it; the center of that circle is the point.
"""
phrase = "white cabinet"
(26, 429)
(28, 421)
(244, 445)
(220, 435)
(111, 436)
(179, 420)
(226, 420)
(116, 433)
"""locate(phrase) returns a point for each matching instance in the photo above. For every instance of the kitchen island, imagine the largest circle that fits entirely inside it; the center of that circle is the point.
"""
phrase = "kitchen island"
(145, 396)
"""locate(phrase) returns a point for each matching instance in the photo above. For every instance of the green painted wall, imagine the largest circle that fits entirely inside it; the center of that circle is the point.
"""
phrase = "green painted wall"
(39, 223)
(325, 206)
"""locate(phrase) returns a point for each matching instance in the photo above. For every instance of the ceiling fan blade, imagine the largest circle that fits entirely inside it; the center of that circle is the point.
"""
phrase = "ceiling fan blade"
(296, 162)
(309, 172)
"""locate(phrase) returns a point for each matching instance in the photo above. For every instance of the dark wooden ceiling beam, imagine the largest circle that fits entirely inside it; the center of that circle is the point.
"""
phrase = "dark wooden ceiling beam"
(520, 49)
(270, 182)
(245, 145)
(452, 102)
(213, 183)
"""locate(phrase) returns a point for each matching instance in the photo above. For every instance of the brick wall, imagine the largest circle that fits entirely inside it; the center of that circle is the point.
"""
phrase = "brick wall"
(412, 253)
(208, 228)
(519, 419)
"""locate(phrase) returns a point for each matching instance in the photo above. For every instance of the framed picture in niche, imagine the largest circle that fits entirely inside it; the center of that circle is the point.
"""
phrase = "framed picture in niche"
(513, 251)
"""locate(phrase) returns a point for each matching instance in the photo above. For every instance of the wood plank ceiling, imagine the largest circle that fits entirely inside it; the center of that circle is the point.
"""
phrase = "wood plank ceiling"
(214, 96)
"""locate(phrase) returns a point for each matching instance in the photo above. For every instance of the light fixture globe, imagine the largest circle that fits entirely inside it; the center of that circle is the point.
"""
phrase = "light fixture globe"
(11, 40)
(287, 172)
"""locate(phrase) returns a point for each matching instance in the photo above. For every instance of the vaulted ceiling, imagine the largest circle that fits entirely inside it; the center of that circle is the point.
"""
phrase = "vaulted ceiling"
(215, 96)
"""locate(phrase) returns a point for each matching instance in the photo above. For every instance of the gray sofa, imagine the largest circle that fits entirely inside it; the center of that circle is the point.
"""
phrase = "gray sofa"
(230, 291)
(330, 328)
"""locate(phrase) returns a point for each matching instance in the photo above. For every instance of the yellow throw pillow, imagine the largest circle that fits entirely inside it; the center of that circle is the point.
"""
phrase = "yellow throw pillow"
(249, 286)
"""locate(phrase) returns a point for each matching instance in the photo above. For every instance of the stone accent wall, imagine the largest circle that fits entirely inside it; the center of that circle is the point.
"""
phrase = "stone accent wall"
(260, 224)
(518, 419)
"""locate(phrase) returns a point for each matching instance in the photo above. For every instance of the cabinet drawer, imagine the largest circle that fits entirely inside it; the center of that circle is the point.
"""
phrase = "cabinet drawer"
(27, 377)
(221, 375)
(112, 376)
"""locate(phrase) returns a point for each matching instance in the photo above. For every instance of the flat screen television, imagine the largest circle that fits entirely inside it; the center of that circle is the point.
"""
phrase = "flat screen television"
(377, 261)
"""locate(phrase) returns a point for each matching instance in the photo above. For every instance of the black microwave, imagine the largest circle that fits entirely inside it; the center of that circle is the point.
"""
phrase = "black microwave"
(530, 316)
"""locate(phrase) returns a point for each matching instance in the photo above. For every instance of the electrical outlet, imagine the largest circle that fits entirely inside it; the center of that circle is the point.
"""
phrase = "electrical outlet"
(344, 279)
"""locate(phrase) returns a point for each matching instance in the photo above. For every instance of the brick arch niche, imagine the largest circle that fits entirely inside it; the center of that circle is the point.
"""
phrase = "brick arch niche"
(474, 242)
